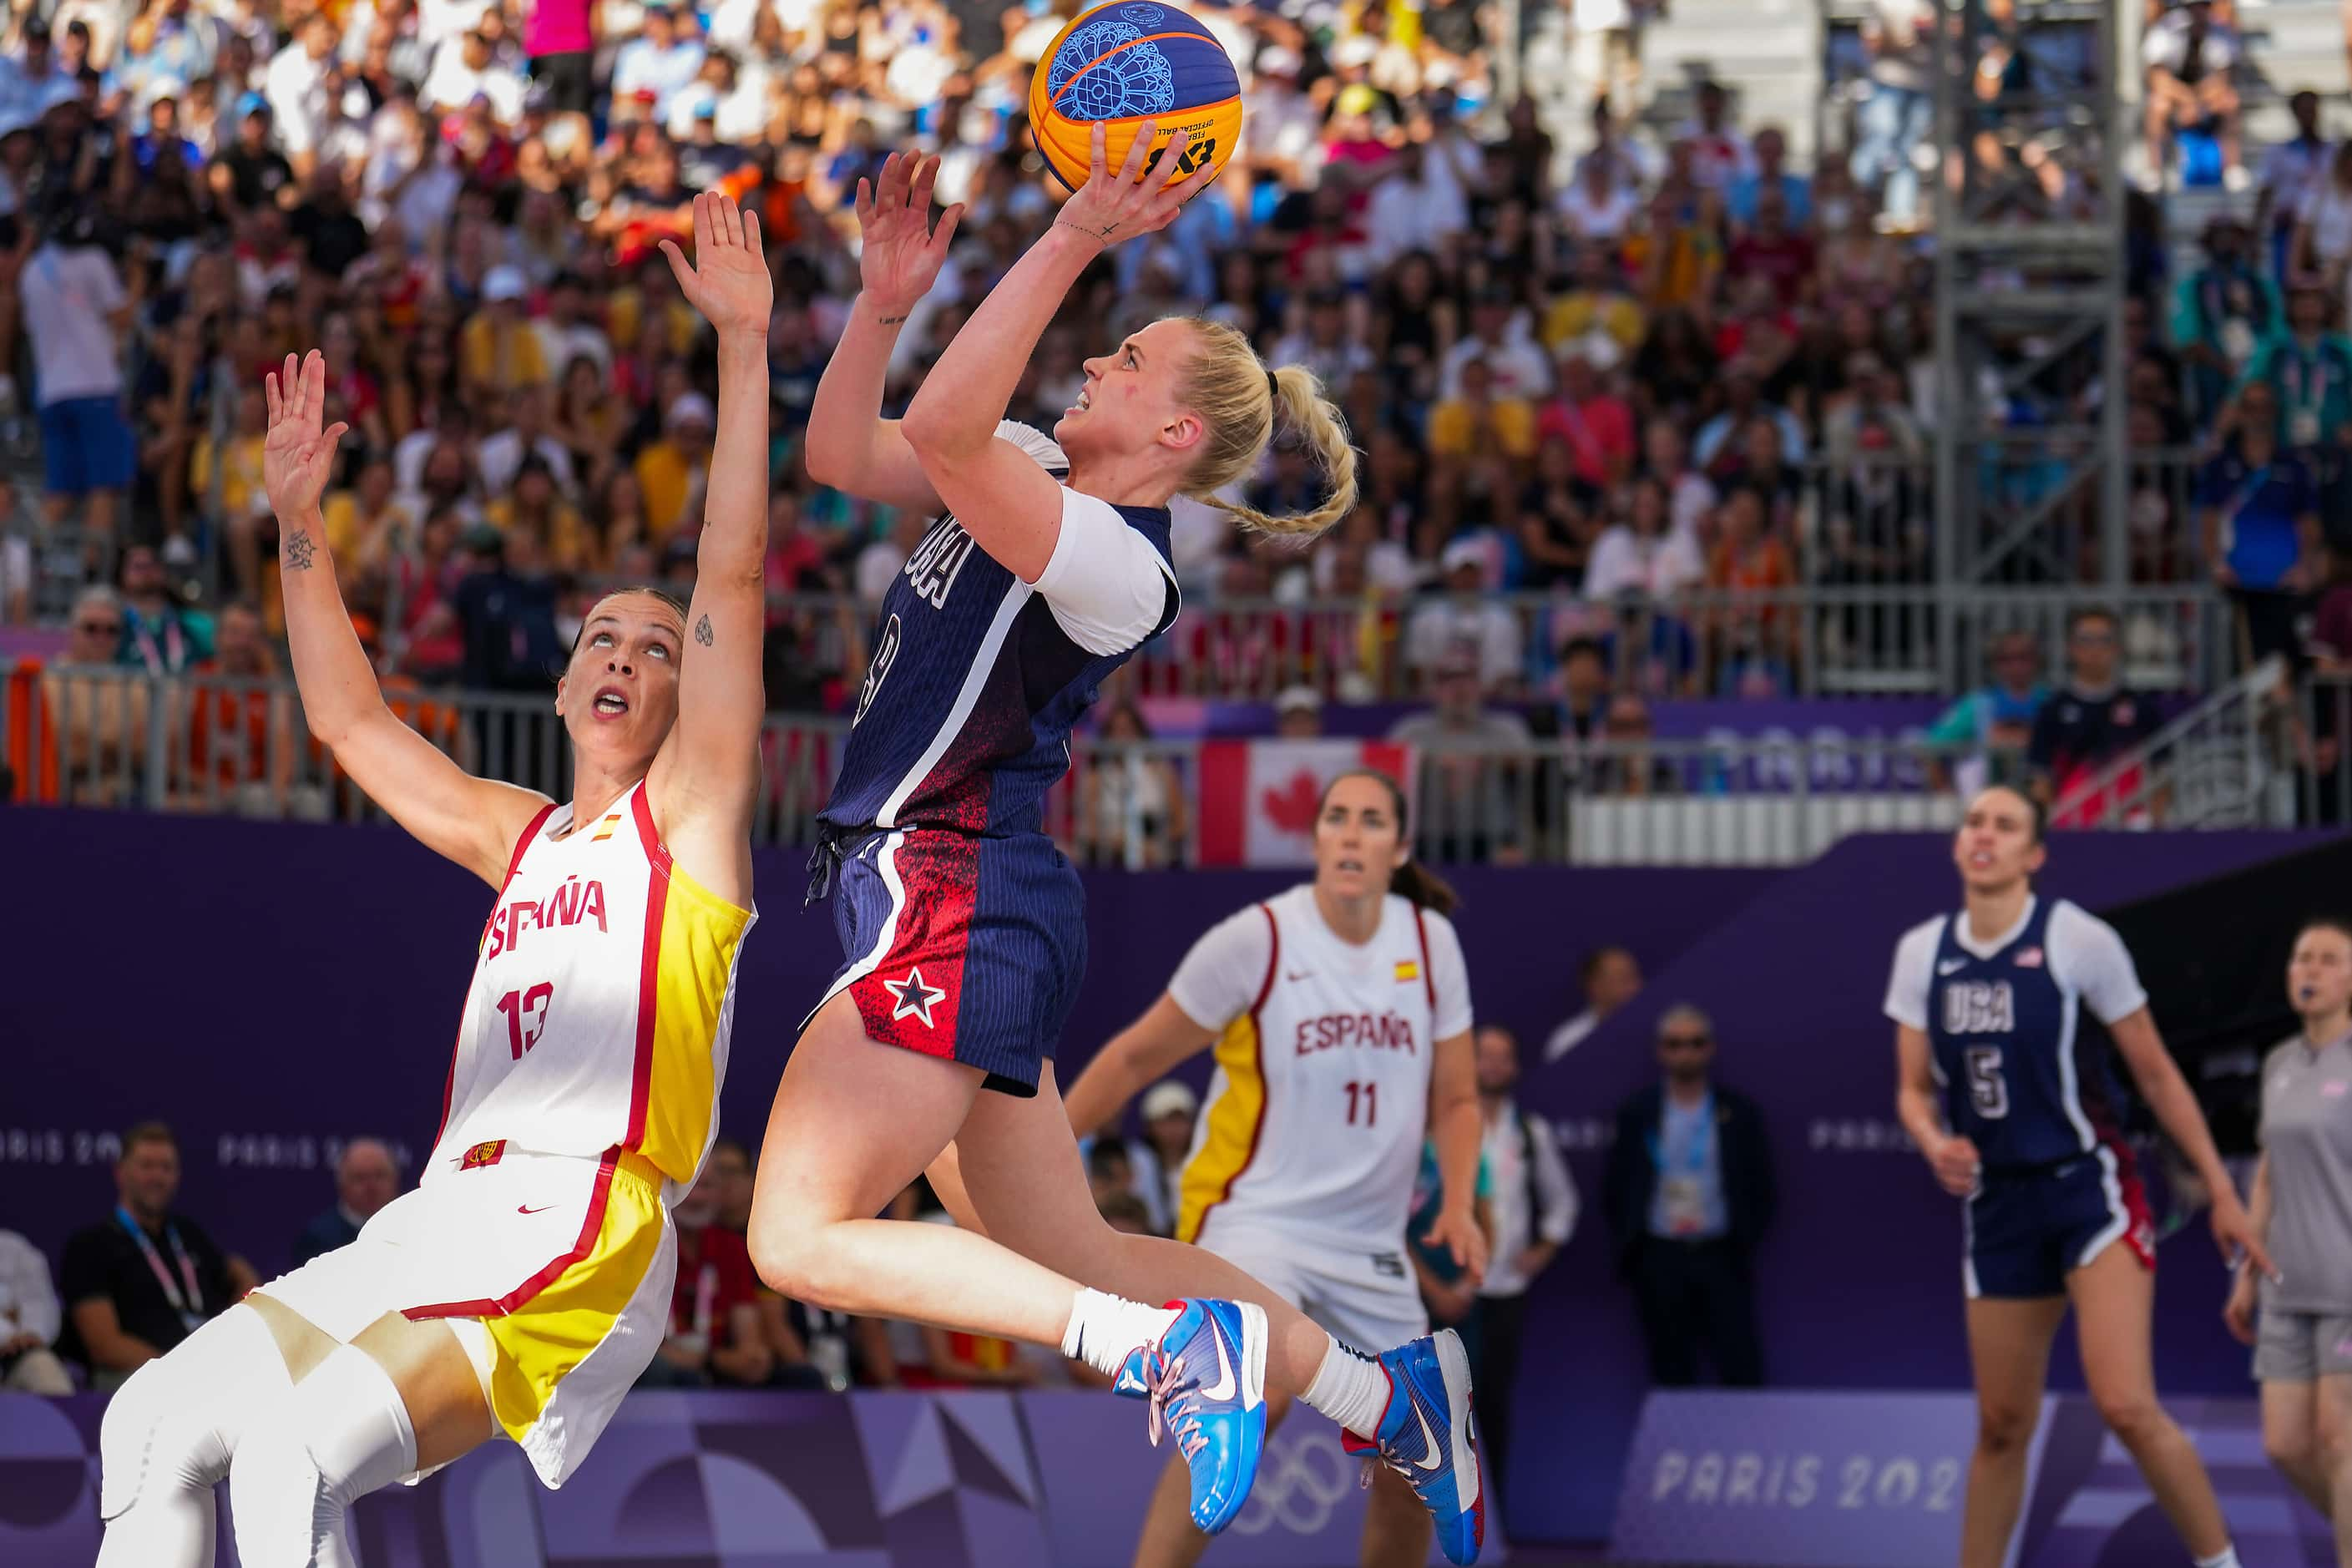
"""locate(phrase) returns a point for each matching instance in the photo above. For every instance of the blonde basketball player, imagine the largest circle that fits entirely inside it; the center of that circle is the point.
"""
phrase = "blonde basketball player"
(524, 1284)
(1340, 1015)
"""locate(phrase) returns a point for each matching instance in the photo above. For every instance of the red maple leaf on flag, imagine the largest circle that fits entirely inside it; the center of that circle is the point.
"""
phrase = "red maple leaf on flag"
(1291, 808)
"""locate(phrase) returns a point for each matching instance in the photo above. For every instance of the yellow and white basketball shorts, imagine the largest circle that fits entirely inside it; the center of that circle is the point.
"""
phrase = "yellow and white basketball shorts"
(1366, 1296)
(567, 1263)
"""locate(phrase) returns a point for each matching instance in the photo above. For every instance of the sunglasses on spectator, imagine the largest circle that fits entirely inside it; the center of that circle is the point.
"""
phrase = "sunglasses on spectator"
(99, 628)
(1685, 1042)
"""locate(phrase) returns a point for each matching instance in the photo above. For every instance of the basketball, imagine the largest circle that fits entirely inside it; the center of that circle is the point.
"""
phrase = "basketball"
(1122, 64)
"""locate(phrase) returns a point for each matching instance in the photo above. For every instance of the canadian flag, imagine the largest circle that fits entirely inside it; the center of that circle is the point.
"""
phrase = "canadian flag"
(1258, 797)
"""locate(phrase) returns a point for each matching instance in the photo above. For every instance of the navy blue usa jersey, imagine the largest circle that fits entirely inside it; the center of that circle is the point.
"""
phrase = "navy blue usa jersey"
(2022, 1078)
(973, 687)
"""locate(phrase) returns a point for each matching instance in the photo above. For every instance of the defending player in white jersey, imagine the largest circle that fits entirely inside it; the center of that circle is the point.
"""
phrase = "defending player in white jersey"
(525, 1283)
(1340, 1017)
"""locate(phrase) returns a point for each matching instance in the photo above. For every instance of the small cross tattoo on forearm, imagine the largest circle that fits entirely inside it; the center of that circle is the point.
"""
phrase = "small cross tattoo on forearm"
(298, 552)
(702, 632)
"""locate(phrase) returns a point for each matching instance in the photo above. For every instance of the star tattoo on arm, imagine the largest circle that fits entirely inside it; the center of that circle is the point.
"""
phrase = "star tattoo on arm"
(702, 632)
(300, 553)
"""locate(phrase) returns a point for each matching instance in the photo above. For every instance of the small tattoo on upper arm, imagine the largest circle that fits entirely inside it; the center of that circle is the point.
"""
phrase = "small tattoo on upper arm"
(702, 633)
(299, 552)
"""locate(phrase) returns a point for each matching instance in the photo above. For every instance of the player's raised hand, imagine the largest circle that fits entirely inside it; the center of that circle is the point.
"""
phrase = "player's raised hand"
(1136, 199)
(298, 456)
(900, 253)
(728, 280)
(1957, 1165)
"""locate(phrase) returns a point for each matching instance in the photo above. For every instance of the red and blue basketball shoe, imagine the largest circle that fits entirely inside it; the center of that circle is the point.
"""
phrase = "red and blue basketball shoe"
(1206, 1382)
(1427, 1435)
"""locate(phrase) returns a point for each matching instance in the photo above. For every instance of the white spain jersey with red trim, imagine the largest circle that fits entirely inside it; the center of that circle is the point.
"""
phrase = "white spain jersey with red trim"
(1318, 1110)
(601, 1006)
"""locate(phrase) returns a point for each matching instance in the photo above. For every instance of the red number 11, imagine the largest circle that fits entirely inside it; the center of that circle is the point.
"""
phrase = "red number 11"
(526, 1013)
(1370, 1102)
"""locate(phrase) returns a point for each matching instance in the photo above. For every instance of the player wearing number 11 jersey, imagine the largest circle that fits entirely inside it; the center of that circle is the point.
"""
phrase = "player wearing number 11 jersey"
(2018, 1113)
(1339, 1015)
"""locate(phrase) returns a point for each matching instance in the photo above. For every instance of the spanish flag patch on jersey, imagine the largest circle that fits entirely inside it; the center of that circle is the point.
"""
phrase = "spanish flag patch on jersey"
(1407, 969)
(483, 1154)
(604, 828)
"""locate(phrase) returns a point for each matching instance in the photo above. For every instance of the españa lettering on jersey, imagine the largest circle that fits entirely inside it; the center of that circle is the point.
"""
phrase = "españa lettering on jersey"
(1371, 1031)
(568, 905)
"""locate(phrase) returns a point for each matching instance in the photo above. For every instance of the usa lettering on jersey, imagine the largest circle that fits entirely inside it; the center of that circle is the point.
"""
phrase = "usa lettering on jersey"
(939, 560)
(1980, 1007)
(1380, 1032)
(568, 905)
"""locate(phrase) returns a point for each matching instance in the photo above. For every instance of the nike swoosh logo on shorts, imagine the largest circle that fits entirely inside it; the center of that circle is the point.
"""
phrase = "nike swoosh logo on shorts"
(1223, 1387)
(520, 1208)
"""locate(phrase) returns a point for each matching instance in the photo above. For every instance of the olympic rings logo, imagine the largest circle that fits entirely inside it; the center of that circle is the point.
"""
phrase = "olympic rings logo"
(1300, 1479)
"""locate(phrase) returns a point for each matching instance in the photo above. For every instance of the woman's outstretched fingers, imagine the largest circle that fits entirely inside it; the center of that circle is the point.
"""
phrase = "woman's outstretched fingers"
(1098, 159)
(1138, 152)
(751, 221)
(269, 397)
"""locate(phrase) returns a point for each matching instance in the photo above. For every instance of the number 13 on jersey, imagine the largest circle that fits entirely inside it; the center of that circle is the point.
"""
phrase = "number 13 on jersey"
(526, 1015)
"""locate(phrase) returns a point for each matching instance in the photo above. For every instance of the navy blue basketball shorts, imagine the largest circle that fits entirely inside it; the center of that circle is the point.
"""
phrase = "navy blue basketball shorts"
(2028, 1229)
(961, 947)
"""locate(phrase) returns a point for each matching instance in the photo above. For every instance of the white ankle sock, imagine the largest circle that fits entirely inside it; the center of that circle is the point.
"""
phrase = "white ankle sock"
(2225, 1558)
(1350, 1389)
(1103, 1328)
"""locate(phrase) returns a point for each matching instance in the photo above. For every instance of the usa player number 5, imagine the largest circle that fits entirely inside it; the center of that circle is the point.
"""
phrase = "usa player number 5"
(1988, 1091)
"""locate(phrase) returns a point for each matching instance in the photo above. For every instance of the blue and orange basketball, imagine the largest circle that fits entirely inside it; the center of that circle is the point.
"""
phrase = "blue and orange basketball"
(1125, 63)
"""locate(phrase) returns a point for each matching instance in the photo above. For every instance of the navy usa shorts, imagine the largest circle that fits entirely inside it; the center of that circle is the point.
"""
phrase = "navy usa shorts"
(960, 946)
(2028, 1229)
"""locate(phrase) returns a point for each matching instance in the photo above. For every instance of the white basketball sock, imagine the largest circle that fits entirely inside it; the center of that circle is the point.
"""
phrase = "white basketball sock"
(2225, 1558)
(169, 1434)
(1351, 1389)
(341, 1433)
(1103, 1328)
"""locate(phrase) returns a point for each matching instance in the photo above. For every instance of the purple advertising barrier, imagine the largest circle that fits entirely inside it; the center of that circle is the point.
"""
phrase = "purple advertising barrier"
(972, 1479)
(1858, 1279)
(1798, 1480)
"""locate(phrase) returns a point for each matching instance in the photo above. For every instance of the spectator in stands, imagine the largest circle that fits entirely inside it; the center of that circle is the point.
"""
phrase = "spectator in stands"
(732, 1165)
(76, 312)
(1131, 809)
(1770, 176)
(1465, 624)
(2258, 523)
(1982, 738)
(2291, 170)
(29, 1321)
(1689, 1193)
(160, 635)
(2308, 370)
(2193, 58)
(2223, 312)
(241, 731)
(143, 1280)
(714, 1334)
(1471, 759)
(1533, 1203)
(1587, 416)
(2090, 721)
(1169, 1111)
(1610, 977)
(366, 1178)
(1640, 554)
(1751, 569)
(1898, 35)
(95, 711)
(2322, 250)
(1298, 713)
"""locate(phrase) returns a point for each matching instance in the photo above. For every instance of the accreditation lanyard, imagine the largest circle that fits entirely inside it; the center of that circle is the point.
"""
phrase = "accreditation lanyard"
(2305, 405)
(1702, 1139)
(191, 1306)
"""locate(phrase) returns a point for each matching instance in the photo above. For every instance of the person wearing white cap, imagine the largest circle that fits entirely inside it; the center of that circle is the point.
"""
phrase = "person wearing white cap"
(1169, 1111)
(1465, 616)
(1298, 713)
(1339, 1014)
(670, 470)
(498, 350)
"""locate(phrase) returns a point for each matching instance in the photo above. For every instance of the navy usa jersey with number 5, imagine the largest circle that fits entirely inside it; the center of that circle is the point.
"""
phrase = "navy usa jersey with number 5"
(977, 677)
(2022, 1078)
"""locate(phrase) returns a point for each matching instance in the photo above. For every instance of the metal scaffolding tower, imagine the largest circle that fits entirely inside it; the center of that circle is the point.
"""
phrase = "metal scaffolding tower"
(2030, 485)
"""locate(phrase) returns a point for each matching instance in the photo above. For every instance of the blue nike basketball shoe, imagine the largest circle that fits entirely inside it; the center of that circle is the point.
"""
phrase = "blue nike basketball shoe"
(1206, 1382)
(1427, 1437)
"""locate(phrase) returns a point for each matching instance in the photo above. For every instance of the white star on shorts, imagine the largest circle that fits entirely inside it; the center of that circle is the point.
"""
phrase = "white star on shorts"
(914, 997)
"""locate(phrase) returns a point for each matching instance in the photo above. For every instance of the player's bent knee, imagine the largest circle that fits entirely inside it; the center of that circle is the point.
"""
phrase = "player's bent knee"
(2293, 1450)
(2005, 1428)
(2134, 1419)
(175, 1423)
(339, 1434)
(790, 1257)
